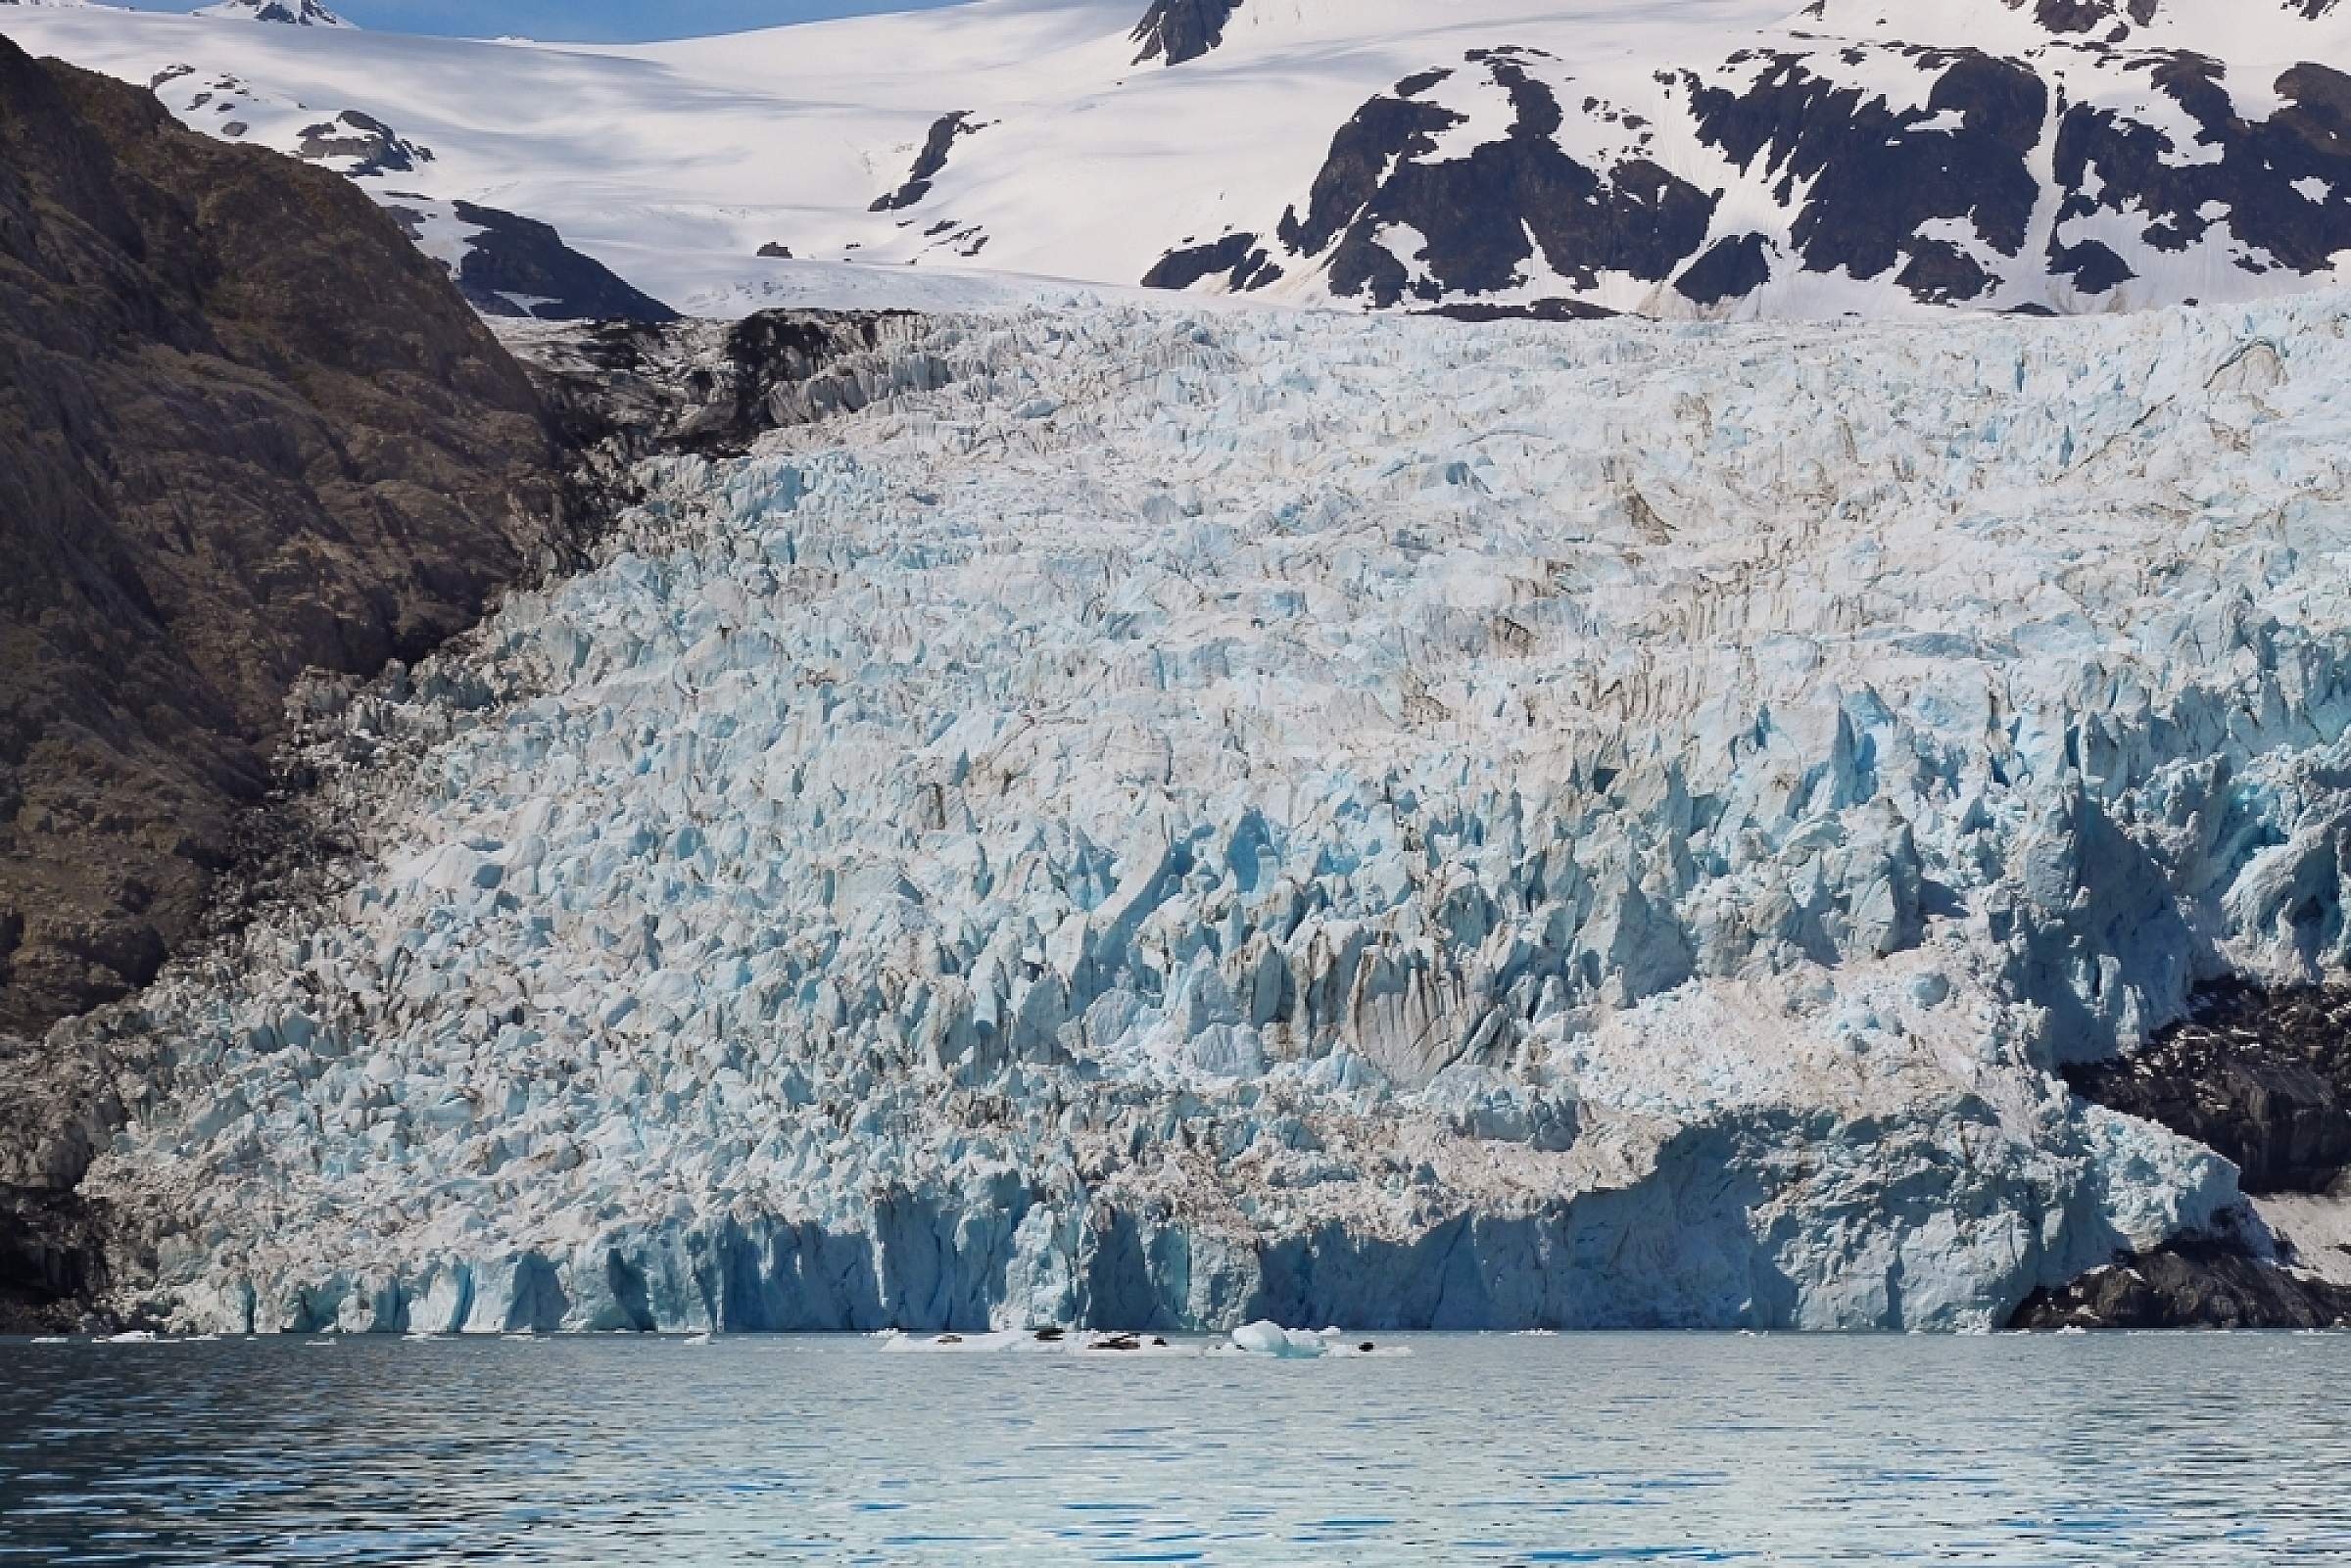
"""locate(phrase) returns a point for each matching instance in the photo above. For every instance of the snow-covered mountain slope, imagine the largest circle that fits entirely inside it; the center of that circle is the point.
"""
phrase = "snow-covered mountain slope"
(505, 263)
(1689, 157)
(290, 12)
(510, 265)
(1167, 820)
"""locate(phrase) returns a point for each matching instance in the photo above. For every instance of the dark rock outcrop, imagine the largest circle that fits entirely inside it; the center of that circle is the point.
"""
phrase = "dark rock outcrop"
(2275, 184)
(929, 163)
(519, 268)
(289, 13)
(1729, 268)
(1874, 177)
(1178, 30)
(1492, 219)
(2087, 171)
(2200, 1283)
(1537, 310)
(622, 391)
(52, 1259)
(362, 144)
(2263, 1078)
(245, 429)
(1242, 261)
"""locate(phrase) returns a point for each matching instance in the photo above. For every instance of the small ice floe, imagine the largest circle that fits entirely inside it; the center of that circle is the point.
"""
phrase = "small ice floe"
(322, 1343)
(1264, 1338)
(202, 1339)
(2073, 1328)
(137, 1336)
(704, 1338)
(419, 1334)
(1538, 1334)
(51, 1339)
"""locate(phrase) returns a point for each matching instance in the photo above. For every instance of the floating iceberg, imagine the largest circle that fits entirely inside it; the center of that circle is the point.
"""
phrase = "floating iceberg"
(1262, 1338)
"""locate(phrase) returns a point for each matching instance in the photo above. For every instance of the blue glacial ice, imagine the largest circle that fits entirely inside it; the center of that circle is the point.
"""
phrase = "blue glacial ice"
(1260, 816)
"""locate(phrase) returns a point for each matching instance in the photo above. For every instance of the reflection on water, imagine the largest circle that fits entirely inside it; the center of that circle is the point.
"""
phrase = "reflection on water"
(2188, 1451)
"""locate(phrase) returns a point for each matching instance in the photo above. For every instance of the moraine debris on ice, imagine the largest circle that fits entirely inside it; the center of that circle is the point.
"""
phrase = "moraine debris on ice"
(1165, 821)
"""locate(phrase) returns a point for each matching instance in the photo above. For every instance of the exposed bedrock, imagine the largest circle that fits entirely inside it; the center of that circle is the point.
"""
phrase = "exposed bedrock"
(624, 390)
(1874, 155)
(52, 1261)
(245, 430)
(2263, 1077)
(509, 265)
(929, 160)
(1396, 221)
(1178, 31)
(2205, 1282)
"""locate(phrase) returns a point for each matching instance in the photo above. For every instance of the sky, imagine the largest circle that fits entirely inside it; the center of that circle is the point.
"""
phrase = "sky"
(582, 21)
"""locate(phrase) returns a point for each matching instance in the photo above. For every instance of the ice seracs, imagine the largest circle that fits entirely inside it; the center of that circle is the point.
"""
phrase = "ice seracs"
(1169, 820)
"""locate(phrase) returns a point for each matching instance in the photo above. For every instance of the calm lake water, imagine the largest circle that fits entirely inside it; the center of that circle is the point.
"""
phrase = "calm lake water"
(2186, 1450)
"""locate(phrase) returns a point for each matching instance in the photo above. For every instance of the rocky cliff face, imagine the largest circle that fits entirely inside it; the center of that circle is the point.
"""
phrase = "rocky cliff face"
(245, 429)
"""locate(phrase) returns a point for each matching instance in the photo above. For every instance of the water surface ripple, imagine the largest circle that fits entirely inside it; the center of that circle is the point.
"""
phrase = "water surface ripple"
(2205, 1451)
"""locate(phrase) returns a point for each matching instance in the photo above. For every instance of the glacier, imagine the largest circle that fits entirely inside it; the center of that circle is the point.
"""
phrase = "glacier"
(1163, 820)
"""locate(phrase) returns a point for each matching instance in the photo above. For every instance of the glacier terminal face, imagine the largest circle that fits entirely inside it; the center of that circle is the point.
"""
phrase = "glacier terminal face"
(1181, 819)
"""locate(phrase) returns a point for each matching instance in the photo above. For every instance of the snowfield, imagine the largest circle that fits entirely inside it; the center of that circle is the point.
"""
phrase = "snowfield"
(1211, 817)
(1680, 158)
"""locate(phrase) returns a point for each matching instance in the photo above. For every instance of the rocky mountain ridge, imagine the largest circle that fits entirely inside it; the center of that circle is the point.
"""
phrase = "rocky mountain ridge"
(245, 430)
(286, 13)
